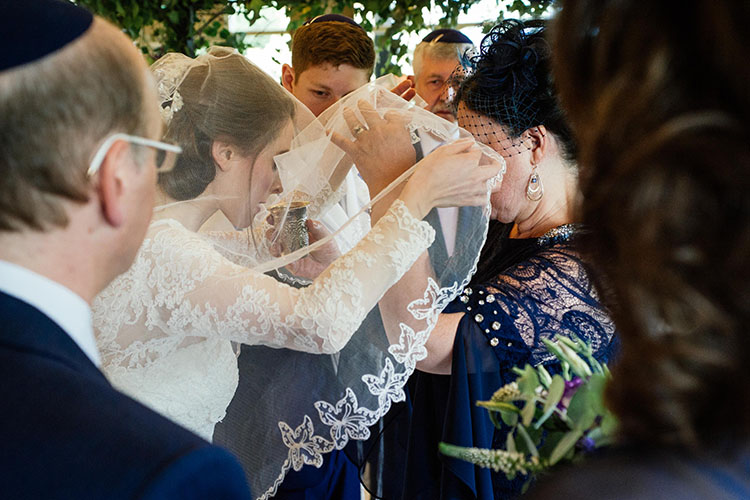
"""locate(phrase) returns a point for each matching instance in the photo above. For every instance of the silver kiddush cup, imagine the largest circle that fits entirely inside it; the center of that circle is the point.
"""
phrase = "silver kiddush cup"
(293, 234)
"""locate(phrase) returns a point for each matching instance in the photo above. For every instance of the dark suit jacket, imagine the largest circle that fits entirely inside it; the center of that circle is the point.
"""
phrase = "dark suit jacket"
(66, 433)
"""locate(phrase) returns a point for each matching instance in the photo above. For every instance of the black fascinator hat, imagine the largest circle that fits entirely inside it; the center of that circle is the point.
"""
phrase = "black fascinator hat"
(510, 81)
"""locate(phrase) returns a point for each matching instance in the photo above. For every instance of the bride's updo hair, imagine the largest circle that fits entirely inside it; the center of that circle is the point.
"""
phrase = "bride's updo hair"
(221, 97)
(511, 83)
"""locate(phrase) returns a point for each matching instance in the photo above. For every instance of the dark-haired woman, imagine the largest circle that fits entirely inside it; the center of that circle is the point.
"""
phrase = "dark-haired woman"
(663, 118)
(532, 282)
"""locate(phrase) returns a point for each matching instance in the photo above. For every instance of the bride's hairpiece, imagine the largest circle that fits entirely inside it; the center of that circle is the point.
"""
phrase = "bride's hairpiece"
(170, 72)
(170, 107)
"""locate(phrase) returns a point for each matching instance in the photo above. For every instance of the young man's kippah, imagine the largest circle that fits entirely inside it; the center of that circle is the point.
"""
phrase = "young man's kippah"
(335, 18)
(445, 35)
(33, 29)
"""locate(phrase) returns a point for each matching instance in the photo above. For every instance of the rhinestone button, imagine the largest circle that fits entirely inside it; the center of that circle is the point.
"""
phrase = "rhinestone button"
(510, 344)
(478, 318)
(481, 302)
(464, 299)
(490, 299)
(494, 341)
(467, 291)
(495, 325)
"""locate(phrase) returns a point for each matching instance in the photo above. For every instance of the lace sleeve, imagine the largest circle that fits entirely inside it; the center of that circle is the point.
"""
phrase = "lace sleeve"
(191, 290)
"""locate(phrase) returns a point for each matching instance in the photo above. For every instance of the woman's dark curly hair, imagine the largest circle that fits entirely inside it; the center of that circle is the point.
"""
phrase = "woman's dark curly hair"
(661, 111)
(511, 82)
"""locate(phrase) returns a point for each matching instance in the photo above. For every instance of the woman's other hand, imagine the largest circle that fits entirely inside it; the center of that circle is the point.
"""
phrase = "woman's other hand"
(382, 148)
(450, 176)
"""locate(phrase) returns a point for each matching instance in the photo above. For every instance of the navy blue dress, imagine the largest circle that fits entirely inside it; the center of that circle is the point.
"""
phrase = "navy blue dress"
(544, 290)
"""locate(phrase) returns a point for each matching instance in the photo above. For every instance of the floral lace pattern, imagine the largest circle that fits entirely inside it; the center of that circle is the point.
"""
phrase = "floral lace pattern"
(165, 327)
(546, 294)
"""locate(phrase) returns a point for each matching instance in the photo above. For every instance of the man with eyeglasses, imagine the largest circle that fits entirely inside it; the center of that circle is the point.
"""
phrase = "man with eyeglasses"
(79, 152)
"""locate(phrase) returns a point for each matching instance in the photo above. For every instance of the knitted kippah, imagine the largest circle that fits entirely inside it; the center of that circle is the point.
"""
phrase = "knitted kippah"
(445, 35)
(33, 29)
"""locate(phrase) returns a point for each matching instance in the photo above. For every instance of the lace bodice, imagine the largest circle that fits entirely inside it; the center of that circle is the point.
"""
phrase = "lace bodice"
(181, 291)
(546, 294)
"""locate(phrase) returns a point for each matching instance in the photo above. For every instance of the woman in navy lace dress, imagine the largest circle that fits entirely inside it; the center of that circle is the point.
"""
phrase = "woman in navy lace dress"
(531, 283)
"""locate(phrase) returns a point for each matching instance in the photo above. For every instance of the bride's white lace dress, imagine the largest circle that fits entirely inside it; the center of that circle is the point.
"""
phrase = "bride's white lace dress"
(165, 328)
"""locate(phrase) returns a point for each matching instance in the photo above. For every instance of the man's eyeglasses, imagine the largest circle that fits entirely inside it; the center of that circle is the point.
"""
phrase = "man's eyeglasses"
(166, 154)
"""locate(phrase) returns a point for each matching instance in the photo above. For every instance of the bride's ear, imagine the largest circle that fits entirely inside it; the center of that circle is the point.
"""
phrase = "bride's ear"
(223, 153)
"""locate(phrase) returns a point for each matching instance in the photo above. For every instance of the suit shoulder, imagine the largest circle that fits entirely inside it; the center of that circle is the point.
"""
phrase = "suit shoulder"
(208, 472)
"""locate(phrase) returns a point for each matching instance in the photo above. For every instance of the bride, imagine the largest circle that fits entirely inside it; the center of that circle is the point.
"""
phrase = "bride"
(166, 327)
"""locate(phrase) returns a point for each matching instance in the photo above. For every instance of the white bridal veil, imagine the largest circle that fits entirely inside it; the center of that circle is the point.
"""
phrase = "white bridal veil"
(317, 366)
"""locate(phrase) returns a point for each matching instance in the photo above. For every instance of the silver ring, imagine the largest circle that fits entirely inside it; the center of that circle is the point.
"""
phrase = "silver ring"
(357, 130)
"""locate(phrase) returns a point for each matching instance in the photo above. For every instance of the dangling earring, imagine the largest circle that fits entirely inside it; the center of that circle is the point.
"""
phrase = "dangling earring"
(534, 189)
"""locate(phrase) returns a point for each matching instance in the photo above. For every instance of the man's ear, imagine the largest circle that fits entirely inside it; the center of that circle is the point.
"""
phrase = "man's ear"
(112, 181)
(539, 142)
(223, 153)
(287, 77)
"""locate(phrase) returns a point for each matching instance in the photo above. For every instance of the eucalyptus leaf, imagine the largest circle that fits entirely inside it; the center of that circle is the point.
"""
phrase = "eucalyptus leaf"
(510, 443)
(528, 381)
(528, 412)
(565, 445)
(529, 446)
(554, 393)
(510, 418)
(497, 405)
(581, 410)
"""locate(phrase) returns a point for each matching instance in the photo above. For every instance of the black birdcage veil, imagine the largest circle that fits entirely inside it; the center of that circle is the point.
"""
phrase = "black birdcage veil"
(497, 90)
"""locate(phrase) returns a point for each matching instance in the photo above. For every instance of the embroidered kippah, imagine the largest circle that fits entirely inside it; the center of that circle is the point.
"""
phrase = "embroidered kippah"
(34, 29)
(335, 18)
(446, 35)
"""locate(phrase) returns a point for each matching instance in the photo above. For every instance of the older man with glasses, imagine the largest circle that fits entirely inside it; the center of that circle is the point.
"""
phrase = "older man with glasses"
(79, 152)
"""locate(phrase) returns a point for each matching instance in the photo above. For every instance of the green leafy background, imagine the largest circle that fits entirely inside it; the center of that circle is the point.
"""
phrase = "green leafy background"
(161, 26)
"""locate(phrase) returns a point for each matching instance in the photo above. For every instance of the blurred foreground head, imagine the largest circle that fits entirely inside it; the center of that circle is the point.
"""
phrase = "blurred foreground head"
(658, 99)
(63, 92)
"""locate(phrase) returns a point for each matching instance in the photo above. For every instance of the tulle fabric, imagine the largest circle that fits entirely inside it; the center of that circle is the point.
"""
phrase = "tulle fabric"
(322, 367)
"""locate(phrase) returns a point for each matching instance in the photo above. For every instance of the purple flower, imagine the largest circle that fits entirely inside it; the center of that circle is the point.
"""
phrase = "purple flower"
(586, 444)
(571, 386)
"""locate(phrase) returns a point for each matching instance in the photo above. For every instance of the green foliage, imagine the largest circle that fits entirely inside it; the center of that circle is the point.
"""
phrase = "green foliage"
(547, 418)
(520, 8)
(160, 26)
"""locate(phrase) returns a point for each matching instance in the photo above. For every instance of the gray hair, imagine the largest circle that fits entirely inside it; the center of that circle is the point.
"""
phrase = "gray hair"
(438, 50)
(54, 113)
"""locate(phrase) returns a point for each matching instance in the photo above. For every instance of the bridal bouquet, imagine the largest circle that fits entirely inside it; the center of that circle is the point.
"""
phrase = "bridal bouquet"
(548, 418)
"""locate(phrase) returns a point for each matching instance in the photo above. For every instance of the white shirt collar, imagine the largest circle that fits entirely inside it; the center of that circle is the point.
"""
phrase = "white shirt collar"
(449, 224)
(60, 304)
